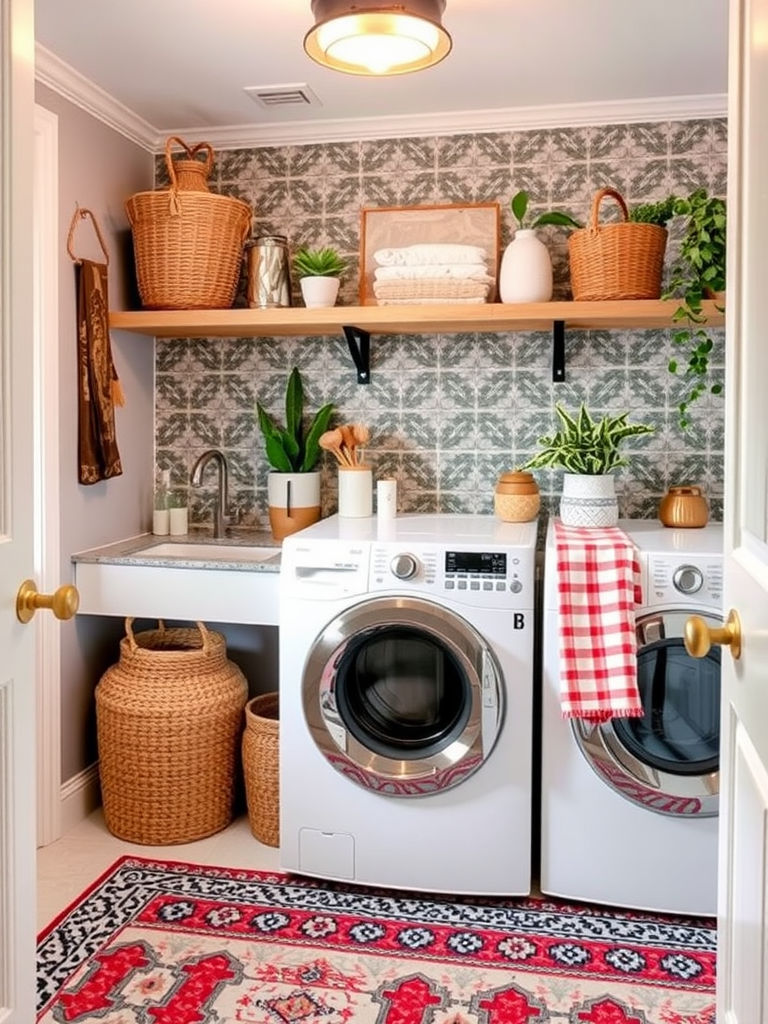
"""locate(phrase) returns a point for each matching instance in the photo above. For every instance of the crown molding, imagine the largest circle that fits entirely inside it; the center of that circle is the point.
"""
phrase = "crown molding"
(68, 82)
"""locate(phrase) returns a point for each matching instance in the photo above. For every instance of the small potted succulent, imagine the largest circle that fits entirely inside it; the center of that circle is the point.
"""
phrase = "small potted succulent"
(293, 451)
(588, 450)
(318, 271)
(525, 274)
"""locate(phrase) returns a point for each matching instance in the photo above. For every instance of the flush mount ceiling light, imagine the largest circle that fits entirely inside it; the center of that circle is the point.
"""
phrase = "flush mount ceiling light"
(374, 38)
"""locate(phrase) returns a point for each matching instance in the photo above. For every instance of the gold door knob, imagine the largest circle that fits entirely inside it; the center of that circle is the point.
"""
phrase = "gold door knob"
(64, 602)
(699, 637)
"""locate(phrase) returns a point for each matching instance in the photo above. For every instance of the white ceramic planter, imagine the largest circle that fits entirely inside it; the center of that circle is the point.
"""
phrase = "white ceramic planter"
(589, 500)
(294, 501)
(319, 291)
(526, 269)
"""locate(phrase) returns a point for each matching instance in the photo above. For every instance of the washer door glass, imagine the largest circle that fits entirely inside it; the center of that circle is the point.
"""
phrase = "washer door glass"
(402, 696)
(668, 759)
(402, 693)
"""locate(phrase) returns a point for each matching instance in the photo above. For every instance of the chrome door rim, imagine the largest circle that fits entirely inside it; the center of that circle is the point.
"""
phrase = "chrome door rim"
(434, 772)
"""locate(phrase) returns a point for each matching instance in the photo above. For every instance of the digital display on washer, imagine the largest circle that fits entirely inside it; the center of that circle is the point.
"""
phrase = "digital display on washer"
(476, 563)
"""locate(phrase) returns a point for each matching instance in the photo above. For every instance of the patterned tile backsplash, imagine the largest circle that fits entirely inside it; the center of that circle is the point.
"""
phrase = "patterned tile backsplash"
(448, 413)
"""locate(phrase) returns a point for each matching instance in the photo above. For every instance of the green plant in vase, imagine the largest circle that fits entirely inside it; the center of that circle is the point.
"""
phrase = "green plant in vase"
(293, 451)
(588, 450)
(318, 271)
(525, 274)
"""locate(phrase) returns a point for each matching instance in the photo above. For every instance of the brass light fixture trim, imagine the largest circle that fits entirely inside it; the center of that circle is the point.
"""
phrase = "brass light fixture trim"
(368, 37)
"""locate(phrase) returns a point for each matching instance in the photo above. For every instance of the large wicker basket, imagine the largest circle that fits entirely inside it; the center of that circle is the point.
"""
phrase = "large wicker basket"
(261, 767)
(187, 242)
(618, 260)
(169, 721)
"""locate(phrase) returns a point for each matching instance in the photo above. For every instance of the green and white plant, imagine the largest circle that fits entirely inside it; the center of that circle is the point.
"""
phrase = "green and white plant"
(583, 445)
(294, 448)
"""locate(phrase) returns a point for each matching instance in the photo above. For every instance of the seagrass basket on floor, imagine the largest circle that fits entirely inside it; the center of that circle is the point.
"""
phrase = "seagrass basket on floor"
(622, 260)
(187, 241)
(261, 769)
(169, 720)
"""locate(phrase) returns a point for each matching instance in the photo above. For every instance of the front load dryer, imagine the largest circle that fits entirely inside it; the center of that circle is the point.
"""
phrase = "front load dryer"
(406, 686)
(629, 807)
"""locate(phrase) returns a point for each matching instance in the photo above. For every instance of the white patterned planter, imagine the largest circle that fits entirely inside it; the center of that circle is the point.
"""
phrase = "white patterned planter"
(589, 500)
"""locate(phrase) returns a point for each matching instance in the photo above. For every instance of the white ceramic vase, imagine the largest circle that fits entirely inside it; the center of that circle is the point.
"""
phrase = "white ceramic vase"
(294, 501)
(589, 500)
(525, 274)
(319, 291)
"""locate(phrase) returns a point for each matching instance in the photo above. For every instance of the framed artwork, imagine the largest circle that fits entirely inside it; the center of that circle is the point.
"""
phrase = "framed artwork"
(385, 230)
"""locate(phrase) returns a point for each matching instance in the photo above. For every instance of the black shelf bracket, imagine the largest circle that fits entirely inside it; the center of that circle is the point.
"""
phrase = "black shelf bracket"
(359, 342)
(558, 351)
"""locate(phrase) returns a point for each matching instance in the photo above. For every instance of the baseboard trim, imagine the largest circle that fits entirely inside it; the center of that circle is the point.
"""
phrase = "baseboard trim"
(80, 796)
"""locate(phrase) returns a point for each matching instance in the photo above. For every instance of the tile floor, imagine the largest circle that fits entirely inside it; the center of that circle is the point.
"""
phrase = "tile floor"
(68, 866)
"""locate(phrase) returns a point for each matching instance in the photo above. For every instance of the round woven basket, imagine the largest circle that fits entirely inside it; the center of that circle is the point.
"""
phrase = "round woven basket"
(187, 243)
(169, 721)
(261, 767)
(616, 261)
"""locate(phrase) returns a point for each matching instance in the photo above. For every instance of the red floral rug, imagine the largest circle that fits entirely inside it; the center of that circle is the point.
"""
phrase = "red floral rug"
(164, 943)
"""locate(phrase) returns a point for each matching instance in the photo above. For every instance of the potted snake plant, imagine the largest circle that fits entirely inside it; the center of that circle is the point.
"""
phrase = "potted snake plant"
(293, 451)
(588, 450)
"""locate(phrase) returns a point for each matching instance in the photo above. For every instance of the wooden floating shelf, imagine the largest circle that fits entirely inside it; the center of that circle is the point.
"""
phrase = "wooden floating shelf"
(418, 319)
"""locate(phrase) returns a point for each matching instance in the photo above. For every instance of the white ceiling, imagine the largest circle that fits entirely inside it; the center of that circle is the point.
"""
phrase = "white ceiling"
(184, 64)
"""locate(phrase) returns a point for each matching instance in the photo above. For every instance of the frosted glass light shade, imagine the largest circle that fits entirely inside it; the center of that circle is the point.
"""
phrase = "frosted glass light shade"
(374, 38)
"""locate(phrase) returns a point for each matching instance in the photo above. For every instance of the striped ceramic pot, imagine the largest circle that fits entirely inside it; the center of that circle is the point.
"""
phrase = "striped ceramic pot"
(589, 500)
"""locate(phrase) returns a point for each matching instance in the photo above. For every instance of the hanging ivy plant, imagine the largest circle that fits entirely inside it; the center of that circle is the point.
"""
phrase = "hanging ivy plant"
(697, 273)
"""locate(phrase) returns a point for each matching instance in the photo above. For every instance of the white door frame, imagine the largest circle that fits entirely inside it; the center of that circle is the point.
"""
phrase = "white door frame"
(47, 255)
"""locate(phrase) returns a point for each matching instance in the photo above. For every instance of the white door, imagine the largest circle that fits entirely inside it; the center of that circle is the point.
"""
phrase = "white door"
(17, 642)
(743, 912)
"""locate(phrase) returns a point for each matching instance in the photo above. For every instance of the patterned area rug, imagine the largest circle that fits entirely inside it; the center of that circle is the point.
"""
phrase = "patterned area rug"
(165, 943)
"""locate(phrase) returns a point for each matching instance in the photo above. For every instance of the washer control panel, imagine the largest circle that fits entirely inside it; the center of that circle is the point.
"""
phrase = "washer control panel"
(484, 577)
(671, 579)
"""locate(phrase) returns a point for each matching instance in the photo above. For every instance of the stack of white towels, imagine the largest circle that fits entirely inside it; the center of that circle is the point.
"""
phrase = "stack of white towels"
(431, 273)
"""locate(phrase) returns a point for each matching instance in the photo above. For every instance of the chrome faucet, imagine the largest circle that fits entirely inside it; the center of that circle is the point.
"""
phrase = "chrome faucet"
(220, 517)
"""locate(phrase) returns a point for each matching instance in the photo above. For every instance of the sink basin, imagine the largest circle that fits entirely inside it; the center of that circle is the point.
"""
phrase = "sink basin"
(210, 552)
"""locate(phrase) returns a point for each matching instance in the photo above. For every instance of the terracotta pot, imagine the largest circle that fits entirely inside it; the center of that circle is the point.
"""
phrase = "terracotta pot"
(516, 498)
(684, 508)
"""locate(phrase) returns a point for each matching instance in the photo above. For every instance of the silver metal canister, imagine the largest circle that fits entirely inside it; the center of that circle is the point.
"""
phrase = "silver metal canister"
(269, 282)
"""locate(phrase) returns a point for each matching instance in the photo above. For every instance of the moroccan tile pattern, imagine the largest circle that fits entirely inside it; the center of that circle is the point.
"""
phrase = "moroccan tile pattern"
(447, 413)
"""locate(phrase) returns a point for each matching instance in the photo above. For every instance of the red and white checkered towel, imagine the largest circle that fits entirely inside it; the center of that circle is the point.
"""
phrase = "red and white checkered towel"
(599, 588)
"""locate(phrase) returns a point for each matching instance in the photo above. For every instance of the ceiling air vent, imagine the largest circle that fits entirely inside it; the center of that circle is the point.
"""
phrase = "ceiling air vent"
(283, 95)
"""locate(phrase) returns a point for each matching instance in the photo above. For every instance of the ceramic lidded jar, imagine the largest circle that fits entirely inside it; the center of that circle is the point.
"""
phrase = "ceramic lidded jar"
(684, 508)
(516, 498)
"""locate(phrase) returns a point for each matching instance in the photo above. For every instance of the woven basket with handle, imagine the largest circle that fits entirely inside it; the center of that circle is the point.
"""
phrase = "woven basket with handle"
(261, 767)
(191, 174)
(187, 242)
(617, 260)
(169, 721)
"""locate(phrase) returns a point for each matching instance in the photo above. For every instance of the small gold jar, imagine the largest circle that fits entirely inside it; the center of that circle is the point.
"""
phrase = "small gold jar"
(516, 498)
(684, 508)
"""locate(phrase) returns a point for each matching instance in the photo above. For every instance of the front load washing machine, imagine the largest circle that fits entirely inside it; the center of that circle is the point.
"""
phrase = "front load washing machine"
(406, 686)
(629, 807)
